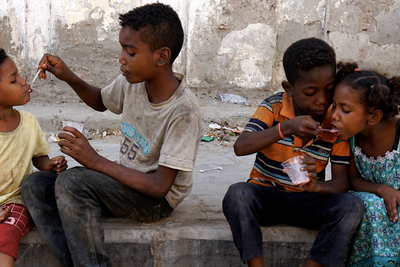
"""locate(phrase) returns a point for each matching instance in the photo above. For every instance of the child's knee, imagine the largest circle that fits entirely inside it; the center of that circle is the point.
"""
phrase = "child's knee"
(235, 191)
(68, 181)
(357, 206)
(352, 206)
(237, 194)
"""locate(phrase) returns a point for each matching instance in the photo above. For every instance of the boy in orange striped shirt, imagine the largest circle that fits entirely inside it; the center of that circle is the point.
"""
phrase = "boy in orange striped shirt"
(285, 125)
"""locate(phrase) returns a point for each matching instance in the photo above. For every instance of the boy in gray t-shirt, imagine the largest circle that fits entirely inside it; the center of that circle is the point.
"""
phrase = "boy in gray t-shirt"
(161, 130)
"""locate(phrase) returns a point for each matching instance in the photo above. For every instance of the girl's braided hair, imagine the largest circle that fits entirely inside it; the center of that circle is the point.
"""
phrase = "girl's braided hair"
(3, 56)
(375, 90)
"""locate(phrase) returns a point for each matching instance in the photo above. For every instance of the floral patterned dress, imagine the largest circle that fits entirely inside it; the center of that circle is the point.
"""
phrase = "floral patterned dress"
(376, 241)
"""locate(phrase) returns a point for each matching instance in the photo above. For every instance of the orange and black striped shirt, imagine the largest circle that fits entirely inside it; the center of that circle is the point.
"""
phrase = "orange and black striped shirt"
(267, 169)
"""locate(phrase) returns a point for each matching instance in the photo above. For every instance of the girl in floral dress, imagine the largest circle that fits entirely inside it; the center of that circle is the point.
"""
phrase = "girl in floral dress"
(365, 105)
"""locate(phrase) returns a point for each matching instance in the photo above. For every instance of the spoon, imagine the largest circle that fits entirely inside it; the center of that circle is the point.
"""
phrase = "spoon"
(329, 130)
(216, 168)
(37, 74)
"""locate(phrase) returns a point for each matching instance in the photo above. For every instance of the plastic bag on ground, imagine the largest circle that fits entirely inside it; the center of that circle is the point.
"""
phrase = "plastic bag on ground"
(234, 99)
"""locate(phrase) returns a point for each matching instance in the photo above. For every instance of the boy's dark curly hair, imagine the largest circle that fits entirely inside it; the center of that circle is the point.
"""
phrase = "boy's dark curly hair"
(305, 55)
(374, 90)
(159, 24)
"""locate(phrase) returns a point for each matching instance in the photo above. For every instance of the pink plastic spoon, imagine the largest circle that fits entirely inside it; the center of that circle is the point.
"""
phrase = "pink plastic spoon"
(329, 130)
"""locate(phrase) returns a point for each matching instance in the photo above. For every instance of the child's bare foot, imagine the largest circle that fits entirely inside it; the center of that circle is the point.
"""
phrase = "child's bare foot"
(4, 213)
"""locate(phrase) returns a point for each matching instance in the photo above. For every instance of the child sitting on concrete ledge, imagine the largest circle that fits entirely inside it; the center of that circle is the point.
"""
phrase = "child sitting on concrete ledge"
(23, 145)
(161, 130)
(285, 125)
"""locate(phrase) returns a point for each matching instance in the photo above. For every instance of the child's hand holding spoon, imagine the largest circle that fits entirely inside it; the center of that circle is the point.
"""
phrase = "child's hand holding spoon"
(37, 73)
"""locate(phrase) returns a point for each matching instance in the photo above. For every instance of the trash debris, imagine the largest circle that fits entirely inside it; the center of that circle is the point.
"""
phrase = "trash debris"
(52, 138)
(214, 126)
(104, 134)
(221, 133)
(207, 138)
(233, 99)
(236, 131)
(215, 168)
(87, 134)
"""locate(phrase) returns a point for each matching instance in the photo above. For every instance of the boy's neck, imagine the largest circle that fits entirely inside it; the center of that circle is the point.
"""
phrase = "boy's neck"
(161, 88)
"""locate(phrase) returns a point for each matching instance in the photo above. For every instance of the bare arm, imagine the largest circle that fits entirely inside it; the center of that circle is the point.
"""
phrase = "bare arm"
(248, 143)
(44, 163)
(88, 93)
(359, 184)
(252, 142)
(390, 195)
(40, 162)
(155, 184)
(339, 182)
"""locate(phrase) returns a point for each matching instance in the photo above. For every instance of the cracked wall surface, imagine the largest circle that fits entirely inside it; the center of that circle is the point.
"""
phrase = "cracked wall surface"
(230, 46)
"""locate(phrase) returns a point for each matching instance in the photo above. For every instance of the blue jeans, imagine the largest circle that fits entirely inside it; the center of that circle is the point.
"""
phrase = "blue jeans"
(68, 210)
(248, 206)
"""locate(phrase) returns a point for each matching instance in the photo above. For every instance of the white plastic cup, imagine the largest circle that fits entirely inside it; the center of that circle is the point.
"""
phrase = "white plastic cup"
(77, 125)
(293, 169)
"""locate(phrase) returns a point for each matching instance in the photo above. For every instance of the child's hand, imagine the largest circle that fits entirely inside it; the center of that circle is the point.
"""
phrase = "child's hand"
(58, 164)
(304, 127)
(391, 197)
(56, 66)
(311, 169)
(78, 147)
(4, 213)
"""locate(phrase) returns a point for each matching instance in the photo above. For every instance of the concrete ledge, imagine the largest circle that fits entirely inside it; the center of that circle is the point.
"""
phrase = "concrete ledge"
(167, 243)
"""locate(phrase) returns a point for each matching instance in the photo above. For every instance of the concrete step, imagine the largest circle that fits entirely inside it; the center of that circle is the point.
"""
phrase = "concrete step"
(174, 243)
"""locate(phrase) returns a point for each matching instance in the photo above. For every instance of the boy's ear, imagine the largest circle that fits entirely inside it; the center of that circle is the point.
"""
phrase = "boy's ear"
(288, 87)
(164, 56)
(375, 117)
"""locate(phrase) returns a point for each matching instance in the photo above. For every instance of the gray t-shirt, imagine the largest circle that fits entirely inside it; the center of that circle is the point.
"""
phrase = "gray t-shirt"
(166, 134)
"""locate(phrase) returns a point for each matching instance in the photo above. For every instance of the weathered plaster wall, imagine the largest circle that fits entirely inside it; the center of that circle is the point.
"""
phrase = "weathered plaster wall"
(230, 46)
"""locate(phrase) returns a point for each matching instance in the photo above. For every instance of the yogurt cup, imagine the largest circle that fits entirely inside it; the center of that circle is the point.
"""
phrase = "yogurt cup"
(293, 167)
(77, 125)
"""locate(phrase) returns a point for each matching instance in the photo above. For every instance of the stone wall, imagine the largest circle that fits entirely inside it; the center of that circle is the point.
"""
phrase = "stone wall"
(230, 46)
